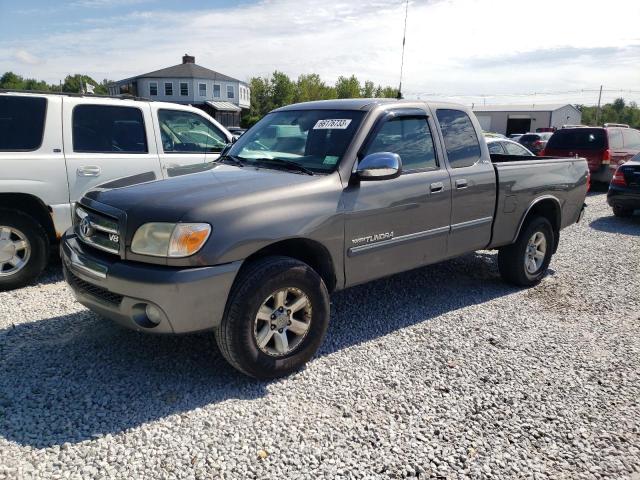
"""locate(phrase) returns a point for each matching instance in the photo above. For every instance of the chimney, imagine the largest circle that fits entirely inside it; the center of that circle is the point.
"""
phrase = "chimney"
(186, 58)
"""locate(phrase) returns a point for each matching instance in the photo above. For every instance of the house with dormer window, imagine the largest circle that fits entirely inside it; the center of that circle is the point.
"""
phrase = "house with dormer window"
(221, 96)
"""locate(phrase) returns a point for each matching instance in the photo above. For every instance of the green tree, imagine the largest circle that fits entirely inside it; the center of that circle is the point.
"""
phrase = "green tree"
(368, 89)
(282, 89)
(12, 81)
(348, 87)
(261, 102)
(311, 87)
(77, 83)
(387, 92)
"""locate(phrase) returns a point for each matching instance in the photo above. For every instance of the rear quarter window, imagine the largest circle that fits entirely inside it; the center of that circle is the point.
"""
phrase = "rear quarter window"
(460, 138)
(21, 123)
(578, 138)
(108, 129)
(631, 138)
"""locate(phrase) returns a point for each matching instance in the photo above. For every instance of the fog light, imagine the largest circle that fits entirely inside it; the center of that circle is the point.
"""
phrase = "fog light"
(153, 314)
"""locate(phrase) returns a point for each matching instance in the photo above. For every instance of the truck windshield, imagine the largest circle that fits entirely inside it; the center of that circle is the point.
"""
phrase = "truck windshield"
(313, 139)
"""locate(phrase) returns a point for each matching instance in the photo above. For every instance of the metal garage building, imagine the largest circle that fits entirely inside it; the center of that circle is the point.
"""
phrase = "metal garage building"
(508, 119)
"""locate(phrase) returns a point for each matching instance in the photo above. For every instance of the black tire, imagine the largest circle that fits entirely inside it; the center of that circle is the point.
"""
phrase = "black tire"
(620, 211)
(256, 282)
(38, 244)
(511, 259)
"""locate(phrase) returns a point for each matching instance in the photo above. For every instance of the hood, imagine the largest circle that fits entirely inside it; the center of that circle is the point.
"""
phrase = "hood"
(171, 199)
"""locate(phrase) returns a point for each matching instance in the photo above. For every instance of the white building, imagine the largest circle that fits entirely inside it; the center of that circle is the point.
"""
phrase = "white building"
(221, 96)
(508, 119)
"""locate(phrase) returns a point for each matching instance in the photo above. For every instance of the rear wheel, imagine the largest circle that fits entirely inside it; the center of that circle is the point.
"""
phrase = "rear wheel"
(620, 211)
(24, 249)
(276, 318)
(525, 262)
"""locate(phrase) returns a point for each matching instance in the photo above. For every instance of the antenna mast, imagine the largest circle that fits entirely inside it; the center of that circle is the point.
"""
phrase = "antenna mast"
(404, 38)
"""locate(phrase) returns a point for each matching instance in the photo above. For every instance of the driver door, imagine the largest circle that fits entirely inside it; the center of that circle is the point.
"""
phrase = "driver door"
(186, 138)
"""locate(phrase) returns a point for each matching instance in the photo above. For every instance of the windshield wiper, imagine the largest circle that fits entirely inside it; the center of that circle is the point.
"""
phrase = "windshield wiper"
(285, 163)
(235, 160)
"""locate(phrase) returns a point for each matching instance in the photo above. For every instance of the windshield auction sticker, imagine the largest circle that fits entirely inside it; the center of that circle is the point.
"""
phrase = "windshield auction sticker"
(330, 124)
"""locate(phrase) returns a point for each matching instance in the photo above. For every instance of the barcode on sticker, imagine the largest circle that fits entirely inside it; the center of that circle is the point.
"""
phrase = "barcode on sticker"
(335, 123)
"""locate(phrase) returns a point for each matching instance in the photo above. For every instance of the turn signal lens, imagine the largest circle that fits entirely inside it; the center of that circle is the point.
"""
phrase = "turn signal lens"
(188, 238)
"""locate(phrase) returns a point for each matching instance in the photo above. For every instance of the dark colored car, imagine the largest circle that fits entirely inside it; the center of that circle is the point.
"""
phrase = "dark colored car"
(535, 141)
(624, 189)
(237, 131)
(604, 147)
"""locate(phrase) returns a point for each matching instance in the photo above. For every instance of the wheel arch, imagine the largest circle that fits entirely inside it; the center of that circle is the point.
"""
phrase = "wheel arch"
(311, 252)
(32, 206)
(547, 207)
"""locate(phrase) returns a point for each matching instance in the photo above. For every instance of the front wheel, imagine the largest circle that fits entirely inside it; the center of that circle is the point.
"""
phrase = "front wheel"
(276, 318)
(24, 249)
(525, 262)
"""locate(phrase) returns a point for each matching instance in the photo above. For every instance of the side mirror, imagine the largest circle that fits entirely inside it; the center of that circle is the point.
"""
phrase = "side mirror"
(379, 166)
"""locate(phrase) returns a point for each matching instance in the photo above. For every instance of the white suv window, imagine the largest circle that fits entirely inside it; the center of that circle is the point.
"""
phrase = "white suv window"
(108, 129)
(187, 132)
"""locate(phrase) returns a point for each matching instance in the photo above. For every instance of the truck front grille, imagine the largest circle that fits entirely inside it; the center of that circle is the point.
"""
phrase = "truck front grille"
(93, 290)
(97, 229)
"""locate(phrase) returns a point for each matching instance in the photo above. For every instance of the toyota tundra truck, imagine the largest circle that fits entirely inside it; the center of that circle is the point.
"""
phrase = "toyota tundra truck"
(315, 198)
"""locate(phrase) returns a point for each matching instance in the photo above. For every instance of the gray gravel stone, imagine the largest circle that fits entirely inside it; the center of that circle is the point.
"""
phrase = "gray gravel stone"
(443, 371)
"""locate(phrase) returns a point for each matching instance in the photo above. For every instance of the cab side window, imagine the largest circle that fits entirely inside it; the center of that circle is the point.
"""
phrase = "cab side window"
(187, 132)
(409, 137)
(460, 138)
(108, 129)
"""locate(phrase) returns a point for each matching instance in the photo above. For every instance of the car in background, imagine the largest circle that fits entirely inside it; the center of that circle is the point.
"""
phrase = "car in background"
(236, 132)
(56, 146)
(604, 147)
(504, 146)
(535, 141)
(624, 190)
(515, 136)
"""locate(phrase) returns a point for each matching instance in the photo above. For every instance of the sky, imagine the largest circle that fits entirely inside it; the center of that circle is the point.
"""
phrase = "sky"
(470, 51)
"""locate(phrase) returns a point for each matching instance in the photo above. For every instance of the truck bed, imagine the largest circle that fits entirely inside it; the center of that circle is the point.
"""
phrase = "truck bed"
(523, 180)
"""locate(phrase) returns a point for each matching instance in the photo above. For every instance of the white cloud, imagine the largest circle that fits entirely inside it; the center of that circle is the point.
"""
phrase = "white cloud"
(26, 58)
(454, 47)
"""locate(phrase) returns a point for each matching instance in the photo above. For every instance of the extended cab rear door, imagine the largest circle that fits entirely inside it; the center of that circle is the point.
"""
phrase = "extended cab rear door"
(105, 139)
(473, 181)
(398, 224)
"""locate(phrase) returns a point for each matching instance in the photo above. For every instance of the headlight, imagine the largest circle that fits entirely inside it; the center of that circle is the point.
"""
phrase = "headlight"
(170, 239)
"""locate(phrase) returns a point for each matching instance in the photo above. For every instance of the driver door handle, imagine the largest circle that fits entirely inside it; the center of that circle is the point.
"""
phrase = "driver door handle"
(461, 183)
(436, 187)
(88, 171)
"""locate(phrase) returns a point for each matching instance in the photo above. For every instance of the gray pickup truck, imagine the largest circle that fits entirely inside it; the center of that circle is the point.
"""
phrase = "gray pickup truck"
(315, 198)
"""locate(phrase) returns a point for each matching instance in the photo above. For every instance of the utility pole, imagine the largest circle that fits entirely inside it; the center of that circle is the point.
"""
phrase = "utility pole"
(598, 109)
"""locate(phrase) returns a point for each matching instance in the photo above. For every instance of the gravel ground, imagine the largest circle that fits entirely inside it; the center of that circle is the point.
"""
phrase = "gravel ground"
(441, 372)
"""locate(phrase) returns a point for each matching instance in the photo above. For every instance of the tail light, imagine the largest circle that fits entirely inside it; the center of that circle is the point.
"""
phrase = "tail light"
(606, 157)
(542, 153)
(537, 143)
(588, 180)
(618, 178)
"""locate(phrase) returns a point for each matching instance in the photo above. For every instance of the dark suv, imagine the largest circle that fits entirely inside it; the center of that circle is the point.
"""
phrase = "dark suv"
(604, 147)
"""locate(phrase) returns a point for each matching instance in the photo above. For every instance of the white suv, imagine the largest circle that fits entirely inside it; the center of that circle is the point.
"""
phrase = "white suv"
(54, 147)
